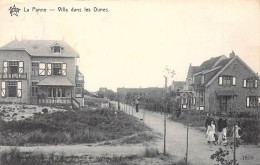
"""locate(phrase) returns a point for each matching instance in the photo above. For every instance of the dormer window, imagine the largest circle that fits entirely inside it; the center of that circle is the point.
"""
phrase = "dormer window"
(56, 49)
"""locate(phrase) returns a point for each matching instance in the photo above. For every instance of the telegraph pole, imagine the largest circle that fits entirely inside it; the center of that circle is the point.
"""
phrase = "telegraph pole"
(167, 73)
(164, 139)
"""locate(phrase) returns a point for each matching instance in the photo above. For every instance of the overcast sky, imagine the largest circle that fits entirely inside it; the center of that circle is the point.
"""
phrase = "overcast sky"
(130, 45)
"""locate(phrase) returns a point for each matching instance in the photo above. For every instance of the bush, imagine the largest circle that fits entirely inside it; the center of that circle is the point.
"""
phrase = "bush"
(151, 152)
(45, 110)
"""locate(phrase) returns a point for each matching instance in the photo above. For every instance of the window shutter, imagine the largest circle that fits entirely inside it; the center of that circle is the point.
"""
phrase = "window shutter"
(244, 83)
(21, 70)
(5, 66)
(256, 83)
(19, 89)
(64, 67)
(3, 89)
(220, 80)
(247, 101)
(234, 81)
(49, 68)
(42, 69)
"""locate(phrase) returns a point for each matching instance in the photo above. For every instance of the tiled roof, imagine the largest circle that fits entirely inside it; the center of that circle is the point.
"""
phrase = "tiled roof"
(210, 69)
(195, 69)
(42, 47)
(206, 65)
(55, 81)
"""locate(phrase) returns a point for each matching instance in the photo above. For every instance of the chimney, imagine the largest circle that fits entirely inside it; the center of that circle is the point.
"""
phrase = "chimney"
(232, 54)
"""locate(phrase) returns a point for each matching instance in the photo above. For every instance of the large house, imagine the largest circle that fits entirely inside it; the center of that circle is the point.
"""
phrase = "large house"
(40, 72)
(221, 84)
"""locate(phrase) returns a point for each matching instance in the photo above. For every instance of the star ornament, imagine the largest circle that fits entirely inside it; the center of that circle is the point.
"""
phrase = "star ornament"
(14, 10)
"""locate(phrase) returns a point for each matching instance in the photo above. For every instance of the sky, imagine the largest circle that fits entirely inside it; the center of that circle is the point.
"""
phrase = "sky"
(131, 43)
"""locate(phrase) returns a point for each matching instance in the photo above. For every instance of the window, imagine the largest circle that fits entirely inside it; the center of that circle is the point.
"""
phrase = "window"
(250, 83)
(202, 79)
(34, 88)
(227, 80)
(13, 68)
(11, 89)
(56, 49)
(42, 69)
(56, 92)
(35, 68)
(58, 69)
(251, 101)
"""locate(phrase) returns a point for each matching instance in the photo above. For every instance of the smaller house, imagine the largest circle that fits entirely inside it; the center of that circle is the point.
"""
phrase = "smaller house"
(221, 84)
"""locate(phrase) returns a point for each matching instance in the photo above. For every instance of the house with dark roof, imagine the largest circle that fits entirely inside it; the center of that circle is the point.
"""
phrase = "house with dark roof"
(40, 72)
(177, 86)
(221, 84)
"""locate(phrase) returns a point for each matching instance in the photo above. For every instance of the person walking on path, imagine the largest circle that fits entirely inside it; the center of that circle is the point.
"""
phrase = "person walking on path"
(222, 129)
(237, 131)
(208, 122)
(210, 133)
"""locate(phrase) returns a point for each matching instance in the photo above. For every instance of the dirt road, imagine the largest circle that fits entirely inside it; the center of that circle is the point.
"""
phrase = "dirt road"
(199, 151)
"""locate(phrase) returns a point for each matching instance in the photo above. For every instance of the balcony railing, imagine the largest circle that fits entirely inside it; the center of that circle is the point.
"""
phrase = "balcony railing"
(13, 76)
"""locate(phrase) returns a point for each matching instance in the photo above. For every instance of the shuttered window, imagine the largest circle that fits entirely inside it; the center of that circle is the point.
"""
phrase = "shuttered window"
(49, 69)
(19, 89)
(64, 69)
(3, 91)
(42, 69)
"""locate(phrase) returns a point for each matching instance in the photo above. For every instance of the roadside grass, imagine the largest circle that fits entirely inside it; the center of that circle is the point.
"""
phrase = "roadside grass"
(70, 127)
(150, 156)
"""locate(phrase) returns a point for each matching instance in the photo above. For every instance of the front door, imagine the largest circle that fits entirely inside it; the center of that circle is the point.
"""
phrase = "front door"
(223, 103)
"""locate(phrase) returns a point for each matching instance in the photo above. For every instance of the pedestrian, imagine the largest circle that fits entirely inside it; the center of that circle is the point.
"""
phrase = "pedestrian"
(210, 133)
(222, 129)
(178, 112)
(237, 131)
(208, 121)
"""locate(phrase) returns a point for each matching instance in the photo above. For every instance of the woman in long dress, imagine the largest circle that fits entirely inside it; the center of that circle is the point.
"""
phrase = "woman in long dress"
(210, 133)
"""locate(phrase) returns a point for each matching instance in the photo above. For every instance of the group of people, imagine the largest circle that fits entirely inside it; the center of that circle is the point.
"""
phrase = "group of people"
(219, 137)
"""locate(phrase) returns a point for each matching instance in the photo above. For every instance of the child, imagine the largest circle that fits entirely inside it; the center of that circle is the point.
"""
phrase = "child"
(210, 133)
(237, 132)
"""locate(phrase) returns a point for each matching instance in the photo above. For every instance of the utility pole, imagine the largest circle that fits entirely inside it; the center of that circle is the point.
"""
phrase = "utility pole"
(188, 125)
(164, 139)
(167, 73)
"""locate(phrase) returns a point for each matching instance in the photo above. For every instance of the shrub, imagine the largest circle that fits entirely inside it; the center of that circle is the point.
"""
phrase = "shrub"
(151, 152)
(45, 110)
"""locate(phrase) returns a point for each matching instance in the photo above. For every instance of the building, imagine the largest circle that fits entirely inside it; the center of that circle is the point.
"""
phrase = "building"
(221, 84)
(40, 72)
(177, 86)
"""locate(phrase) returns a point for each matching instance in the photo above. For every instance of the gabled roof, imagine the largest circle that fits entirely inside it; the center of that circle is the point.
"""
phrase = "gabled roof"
(41, 48)
(207, 65)
(210, 68)
(225, 64)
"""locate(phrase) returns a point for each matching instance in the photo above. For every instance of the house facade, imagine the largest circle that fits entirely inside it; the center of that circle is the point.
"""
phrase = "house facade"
(222, 84)
(40, 72)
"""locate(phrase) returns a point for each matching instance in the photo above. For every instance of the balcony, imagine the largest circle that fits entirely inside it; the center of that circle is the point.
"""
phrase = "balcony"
(13, 76)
